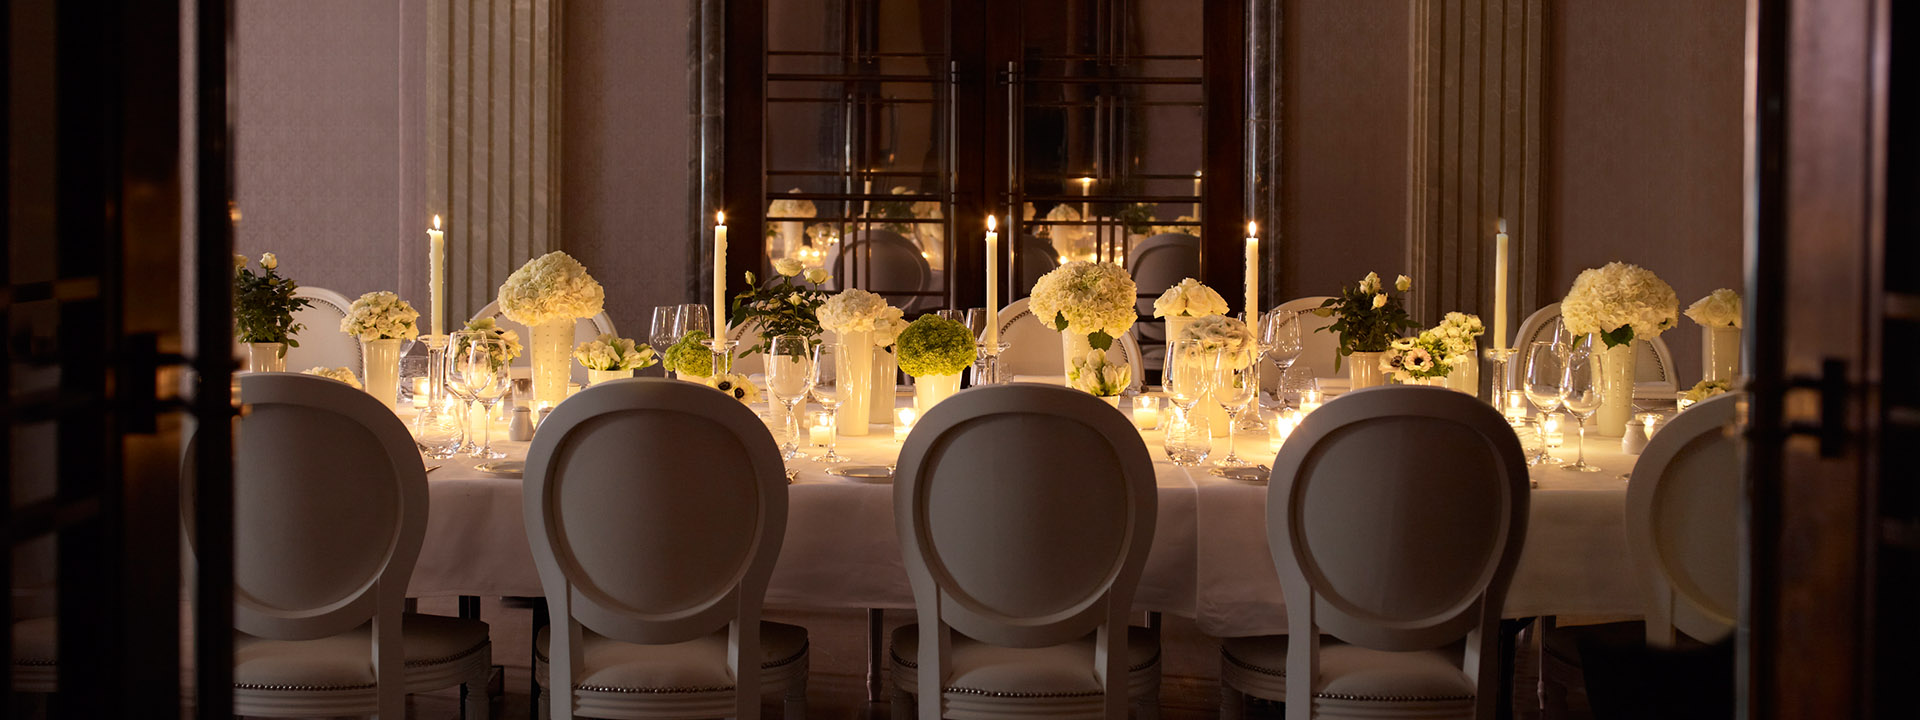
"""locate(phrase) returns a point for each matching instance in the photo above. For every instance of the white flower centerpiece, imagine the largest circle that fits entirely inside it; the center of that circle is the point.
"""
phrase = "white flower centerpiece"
(1457, 337)
(1621, 303)
(862, 321)
(933, 350)
(1185, 301)
(548, 294)
(611, 357)
(1719, 317)
(382, 321)
(337, 374)
(1219, 334)
(1090, 304)
(1415, 360)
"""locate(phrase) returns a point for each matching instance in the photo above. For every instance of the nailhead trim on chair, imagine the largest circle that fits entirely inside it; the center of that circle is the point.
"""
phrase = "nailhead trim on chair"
(1244, 665)
(1150, 662)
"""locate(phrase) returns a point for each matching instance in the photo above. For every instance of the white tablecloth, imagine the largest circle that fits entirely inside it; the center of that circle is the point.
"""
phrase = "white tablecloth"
(1209, 558)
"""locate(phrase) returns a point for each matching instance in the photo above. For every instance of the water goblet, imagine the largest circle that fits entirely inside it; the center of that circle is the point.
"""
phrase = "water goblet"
(1234, 377)
(1543, 378)
(1184, 376)
(790, 378)
(480, 372)
(829, 389)
(1580, 395)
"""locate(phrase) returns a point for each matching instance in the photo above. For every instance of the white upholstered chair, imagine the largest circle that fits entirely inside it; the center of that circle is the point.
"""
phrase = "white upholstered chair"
(1023, 559)
(1653, 362)
(655, 510)
(1033, 353)
(1683, 504)
(330, 508)
(1395, 516)
(586, 329)
(1158, 263)
(321, 342)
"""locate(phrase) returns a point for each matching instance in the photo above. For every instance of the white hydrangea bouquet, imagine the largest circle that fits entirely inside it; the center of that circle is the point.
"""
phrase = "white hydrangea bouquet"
(501, 354)
(380, 315)
(1096, 375)
(611, 357)
(856, 311)
(551, 287)
(338, 374)
(1190, 299)
(1621, 302)
(1087, 300)
(547, 295)
(1719, 309)
(1073, 242)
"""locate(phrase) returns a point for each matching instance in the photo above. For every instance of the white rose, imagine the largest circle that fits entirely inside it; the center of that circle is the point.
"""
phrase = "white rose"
(788, 267)
(239, 261)
(1379, 301)
(269, 262)
(1403, 283)
(817, 275)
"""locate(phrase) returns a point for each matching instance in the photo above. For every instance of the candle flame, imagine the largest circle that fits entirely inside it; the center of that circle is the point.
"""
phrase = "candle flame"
(990, 223)
(436, 222)
(720, 218)
(1252, 229)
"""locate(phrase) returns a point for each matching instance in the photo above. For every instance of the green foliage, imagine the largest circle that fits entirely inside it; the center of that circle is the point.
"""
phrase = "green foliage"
(782, 308)
(1361, 326)
(1138, 218)
(933, 345)
(263, 307)
(1617, 336)
(689, 357)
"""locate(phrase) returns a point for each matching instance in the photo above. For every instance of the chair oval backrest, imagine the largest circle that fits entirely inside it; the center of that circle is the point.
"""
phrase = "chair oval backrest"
(330, 503)
(654, 505)
(1683, 511)
(1318, 349)
(1161, 262)
(321, 342)
(1400, 511)
(883, 262)
(1014, 541)
(1036, 259)
(1653, 360)
(1033, 348)
(586, 329)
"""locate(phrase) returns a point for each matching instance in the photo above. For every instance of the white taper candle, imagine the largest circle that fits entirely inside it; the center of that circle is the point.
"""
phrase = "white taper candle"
(1253, 277)
(993, 286)
(437, 276)
(1500, 287)
(720, 276)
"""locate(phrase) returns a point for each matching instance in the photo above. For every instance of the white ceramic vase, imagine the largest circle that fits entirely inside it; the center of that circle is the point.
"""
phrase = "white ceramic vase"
(266, 357)
(1072, 346)
(1363, 370)
(854, 369)
(1616, 389)
(551, 349)
(1465, 377)
(929, 390)
(1176, 326)
(380, 362)
(595, 377)
(886, 369)
(1720, 353)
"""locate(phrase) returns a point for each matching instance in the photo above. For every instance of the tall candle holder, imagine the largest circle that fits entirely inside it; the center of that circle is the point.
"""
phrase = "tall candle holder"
(1497, 384)
(986, 365)
(722, 350)
(436, 396)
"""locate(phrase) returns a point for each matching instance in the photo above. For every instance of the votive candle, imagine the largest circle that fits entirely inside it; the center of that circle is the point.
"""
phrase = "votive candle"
(421, 388)
(902, 423)
(1146, 412)
(1310, 400)
(820, 428)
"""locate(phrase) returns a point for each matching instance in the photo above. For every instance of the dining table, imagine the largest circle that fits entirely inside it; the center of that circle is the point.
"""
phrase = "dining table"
(1209, 558)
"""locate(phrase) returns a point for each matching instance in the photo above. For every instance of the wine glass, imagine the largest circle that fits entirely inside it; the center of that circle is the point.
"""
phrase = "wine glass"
(1234, 380)
(691, 317)
(790, 377)
(829, 390)
(666, 328)
(1185, 376)
(457, 387)
(977, 322)
(1279, 338)
(1580, 394)
(478, 372)
(1544, 377)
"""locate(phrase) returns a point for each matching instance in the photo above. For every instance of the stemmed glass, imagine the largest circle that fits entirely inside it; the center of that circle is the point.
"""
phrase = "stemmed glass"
(977, 322)
(477, 372)
(1580, 394)
(1544, 380)
(790, 377)
(458, 390)
(1185, 377)
(1234, 380)
(1279, 340)
(829, 391)
(666, 330)
(691, 317)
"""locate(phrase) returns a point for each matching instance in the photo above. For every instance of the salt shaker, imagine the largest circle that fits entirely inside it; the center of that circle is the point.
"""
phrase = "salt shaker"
(520, 429)
(1635, 439)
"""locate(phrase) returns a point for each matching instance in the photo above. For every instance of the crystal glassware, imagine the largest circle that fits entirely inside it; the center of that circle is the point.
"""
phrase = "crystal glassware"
(791, 367)
(830, 391)
(1279, 338)
(479, 370)
(458, 395)
(1184, 377)
(1580, 395)
(1187, 440)
(1234, 379)
(666, 327)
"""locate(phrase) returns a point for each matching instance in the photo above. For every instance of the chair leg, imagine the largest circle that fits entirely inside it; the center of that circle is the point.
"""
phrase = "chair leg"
(1233, 703)
(1148, 706)
(796, 700)
(475, 702)
(902, 704)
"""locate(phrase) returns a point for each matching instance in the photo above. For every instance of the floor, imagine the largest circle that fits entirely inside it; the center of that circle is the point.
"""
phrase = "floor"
(837, 687)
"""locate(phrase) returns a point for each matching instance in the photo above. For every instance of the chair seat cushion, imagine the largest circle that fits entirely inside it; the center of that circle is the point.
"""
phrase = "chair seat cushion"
(981, 668)
(345, 661)
(1351, 672)
(35, 642)
(692, 666)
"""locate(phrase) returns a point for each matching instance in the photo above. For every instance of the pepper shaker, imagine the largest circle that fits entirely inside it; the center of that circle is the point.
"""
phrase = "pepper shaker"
(520, 429)
(1635, 438)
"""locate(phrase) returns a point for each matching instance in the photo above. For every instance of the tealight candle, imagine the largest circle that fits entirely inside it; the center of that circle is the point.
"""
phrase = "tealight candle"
(1552, 426)
(1146, 412)
(1282, 426)
(1653, 421)
(820, 428)
(420, 389)
(902, 423)
(1310, 400)
(1516, 405)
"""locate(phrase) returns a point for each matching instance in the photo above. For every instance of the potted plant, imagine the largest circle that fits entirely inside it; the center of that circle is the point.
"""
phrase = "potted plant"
(611, 357)
(933, 350)
(1367, 319)
(263, 307)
